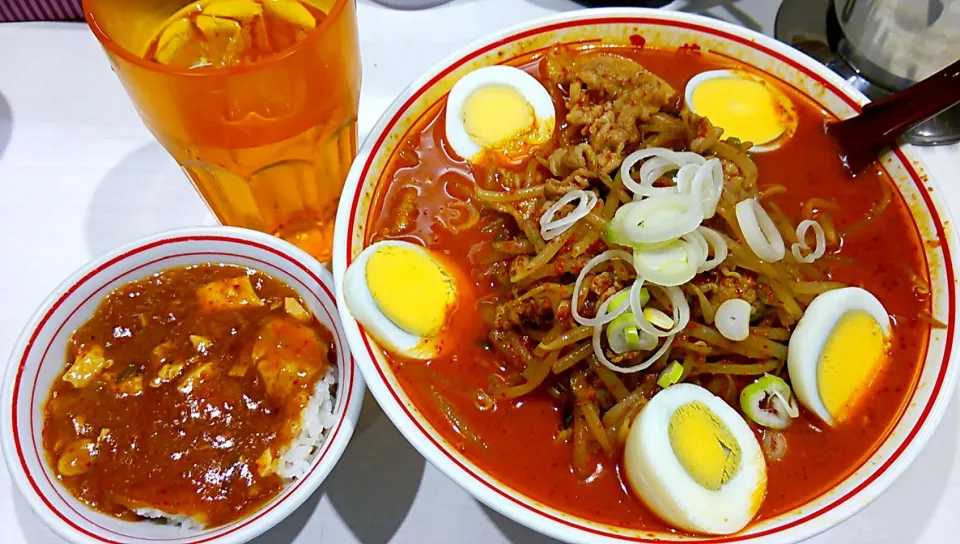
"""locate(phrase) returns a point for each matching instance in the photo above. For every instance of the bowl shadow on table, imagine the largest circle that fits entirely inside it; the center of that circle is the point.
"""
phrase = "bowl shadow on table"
(513, 531)
(901, 514)
(144, 193)
(372, 488)
(33, 530)
(6, 124)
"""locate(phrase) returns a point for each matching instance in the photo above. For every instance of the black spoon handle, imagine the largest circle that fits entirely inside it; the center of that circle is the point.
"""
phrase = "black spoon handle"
(861, 138)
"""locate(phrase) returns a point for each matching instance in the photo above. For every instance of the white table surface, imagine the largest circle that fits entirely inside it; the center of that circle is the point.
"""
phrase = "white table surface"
(79, 175)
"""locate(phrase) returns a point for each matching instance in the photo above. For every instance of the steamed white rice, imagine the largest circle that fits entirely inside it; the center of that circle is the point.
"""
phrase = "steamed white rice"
(316, 420)
(185, 522)
(294, 461)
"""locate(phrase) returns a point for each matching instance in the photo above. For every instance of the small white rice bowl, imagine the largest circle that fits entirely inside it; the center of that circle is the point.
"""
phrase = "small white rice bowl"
(295, 458)
(327, 422)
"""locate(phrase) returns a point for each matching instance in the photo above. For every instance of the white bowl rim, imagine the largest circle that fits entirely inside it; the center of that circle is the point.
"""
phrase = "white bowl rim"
(271, 513)
(502, 501)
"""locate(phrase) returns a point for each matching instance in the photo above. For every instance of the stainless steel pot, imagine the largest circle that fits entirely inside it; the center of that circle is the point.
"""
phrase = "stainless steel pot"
(892, 44)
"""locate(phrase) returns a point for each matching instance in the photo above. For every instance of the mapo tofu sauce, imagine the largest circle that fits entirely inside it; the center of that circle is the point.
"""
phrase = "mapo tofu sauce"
(181, 392)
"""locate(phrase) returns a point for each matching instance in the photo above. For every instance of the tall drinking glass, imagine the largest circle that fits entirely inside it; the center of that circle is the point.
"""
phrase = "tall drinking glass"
(255, 99)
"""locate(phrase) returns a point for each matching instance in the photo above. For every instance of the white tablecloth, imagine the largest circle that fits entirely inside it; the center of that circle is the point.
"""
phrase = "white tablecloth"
(80, 175)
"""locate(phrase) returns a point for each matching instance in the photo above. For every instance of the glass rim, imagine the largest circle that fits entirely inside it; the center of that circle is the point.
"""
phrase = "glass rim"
(113, 47)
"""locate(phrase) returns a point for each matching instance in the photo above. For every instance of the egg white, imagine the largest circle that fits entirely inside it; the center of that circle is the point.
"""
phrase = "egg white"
(779, 97)
(364, 308)
(508, 76)
(655, 474)
(810, 336)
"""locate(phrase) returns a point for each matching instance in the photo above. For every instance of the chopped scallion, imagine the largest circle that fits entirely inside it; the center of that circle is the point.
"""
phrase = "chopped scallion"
(769, 402)
(670, 375)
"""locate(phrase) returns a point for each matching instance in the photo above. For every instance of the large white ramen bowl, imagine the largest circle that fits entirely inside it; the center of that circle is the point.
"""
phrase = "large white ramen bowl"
(670, 30)
(39, 355)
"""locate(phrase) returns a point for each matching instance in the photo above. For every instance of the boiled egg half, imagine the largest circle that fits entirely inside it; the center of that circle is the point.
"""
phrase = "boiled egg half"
(744, 105)
(501, 109)
(403, 296)
(694, 462)
(836, 351)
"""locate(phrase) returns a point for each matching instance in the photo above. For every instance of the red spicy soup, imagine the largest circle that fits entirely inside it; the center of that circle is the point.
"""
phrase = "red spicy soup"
(519, 441)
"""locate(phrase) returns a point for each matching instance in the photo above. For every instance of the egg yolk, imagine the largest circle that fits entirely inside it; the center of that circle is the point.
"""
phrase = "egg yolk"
(704, 445)
(743, 108)
(497, 115)
(851, 358)
(411, 289)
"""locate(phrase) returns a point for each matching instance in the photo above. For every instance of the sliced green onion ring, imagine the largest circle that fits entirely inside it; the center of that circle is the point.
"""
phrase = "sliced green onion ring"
(655, 220)
(704, 182)
(678, 261)
(661, 161)
(623, 335)
(602, 358)
(759, 231)
(716, 242)
(769, 402)
(657, 318)
(681, 310)
(602, 316)
(551, 227)
(773, 444)
(670, 375)
(671, 264)
(634, 303)
(818, 250)
(732, 319)
(652, 170)
(624, 297)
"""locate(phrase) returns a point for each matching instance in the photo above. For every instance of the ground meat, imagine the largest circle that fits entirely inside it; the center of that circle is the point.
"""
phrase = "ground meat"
(535, 312)
(601, 287)
(529, 208)
(510, 179)
(497, 273)
(572, 265)
(730, 169)
(564, 313)
(519, 263)
(604, 285)
(567, 160)
(609, 95)
(743, 285)
(618, 358)
(736, 180)
(557, 188)
(705, 134)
